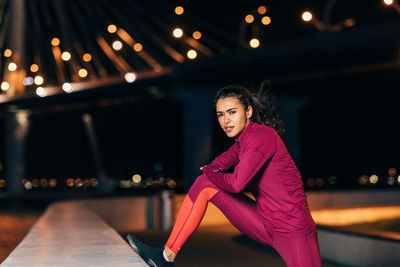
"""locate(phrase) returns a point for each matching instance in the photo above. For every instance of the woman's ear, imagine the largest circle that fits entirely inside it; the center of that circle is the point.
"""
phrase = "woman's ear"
(249, 112)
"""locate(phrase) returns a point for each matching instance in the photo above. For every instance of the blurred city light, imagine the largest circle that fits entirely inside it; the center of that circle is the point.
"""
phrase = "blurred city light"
(87, 57)
(373, 179)
(349, 22)
(8, 53)
(196, 35)
(34, 68)
(38, 80)
(112, 28)
(66, 56)
(266, 20)
(306, 16)
(55, 41)
(12, 66)
(5, 86)
(138, 47)
(28, 185)
(390, 180)
(52, 182)
(70, 182)
(249, 18)
(27, 81)
(177, 32)
(136, 178)
(130, 77)
(40, 91)
(82, 73)
(262, 10)
(392, 172)
(117, 45)
(254, 43)
(192, 54)
(332, 179)
(67, 87)
(179, 10)
(363, 180)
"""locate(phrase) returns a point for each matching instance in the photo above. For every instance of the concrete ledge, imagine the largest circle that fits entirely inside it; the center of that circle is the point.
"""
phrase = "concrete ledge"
(352, 198)
(71, 234)
(358, 250)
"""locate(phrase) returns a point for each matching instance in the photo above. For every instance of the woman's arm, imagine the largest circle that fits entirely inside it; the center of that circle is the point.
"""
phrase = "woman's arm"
(227, 159)
(254, 156)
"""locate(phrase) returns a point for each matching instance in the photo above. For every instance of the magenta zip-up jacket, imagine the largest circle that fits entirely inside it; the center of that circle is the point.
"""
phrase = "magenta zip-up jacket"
(265, 168)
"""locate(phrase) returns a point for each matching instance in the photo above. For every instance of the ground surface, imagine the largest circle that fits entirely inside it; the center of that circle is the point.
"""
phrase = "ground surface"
(219, 246)
(13, 227)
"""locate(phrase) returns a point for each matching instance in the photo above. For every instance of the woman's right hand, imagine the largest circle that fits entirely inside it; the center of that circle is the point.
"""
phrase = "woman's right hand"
(201, 168)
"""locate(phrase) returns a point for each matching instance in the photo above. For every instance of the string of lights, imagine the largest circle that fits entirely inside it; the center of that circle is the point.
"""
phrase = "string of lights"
(73, 42)
(69, 45)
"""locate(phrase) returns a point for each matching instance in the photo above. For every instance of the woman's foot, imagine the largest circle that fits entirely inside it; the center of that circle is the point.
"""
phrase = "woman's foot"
(153, 256)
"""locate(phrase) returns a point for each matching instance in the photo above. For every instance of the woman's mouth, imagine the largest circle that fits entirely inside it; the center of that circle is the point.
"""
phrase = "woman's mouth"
(228, 129)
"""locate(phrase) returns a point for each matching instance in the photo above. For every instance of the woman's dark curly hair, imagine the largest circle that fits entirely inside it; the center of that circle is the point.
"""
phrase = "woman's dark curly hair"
(264, 111)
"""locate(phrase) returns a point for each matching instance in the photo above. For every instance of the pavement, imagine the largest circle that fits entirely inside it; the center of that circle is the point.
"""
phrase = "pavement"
(219, 246)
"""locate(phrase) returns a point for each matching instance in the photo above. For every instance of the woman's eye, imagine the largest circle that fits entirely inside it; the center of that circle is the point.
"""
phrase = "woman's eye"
(219, 115)
(232, 112)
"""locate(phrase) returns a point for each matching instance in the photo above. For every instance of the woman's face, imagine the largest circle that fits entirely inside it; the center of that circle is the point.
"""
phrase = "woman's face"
(232, 115)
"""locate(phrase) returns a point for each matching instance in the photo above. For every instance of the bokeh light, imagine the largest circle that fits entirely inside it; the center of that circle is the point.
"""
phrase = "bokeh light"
(136, 178)
(262, 10)
(254, 43)
(179, 10)
(112, 28)
(67, 87)
(87, 57)
(5, 86)
(191, 54)
(40, 91)
(177, 32)
(249, 18)
(130, 77)
(66, 56)
(38, 80)
(8, 53)
(196, 35)
(55, 41)
(373, 179)
(117, 45)
(27, 81)
(12, 66)
(34, 68)
(266, 20)
(138, 47)
(82, 73)
(306, 16)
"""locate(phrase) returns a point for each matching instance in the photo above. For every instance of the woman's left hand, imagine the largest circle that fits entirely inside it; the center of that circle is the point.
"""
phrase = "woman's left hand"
(201, 168)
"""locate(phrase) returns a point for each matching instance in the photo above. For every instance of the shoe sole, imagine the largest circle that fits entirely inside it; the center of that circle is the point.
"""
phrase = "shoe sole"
(137, 250)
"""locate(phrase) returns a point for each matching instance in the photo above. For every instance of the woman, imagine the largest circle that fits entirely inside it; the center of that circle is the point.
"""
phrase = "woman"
(280, 216)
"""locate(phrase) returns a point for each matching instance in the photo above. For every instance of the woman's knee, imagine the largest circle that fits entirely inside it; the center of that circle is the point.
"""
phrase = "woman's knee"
(202, 182)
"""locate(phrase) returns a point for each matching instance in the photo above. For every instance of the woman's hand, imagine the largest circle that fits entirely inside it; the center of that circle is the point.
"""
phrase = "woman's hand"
(201, 168)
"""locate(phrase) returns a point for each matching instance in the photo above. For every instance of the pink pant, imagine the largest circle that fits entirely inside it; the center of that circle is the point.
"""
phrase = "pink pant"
(241, 211)
(298, 252)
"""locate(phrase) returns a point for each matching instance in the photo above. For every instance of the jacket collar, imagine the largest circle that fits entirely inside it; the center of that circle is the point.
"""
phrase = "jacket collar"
(245, 132)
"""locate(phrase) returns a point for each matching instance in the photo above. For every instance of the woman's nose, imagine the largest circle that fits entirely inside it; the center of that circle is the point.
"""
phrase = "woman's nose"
(226, 119)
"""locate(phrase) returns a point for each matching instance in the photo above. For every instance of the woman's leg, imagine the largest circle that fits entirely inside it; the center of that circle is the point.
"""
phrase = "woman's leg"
(239, 209)
(299, 252)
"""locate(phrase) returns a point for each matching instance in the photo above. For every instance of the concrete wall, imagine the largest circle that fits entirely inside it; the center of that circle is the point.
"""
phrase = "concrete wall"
(330, 199)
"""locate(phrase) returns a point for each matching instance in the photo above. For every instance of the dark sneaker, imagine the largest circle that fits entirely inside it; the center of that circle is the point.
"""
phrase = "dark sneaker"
(151, 255)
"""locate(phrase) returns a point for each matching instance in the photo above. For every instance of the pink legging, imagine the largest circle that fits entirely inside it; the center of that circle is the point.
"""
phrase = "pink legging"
(241, 211)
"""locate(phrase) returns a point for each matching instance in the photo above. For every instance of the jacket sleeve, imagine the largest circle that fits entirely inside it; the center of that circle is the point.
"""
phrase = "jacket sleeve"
(251, 160)
(227, 159)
